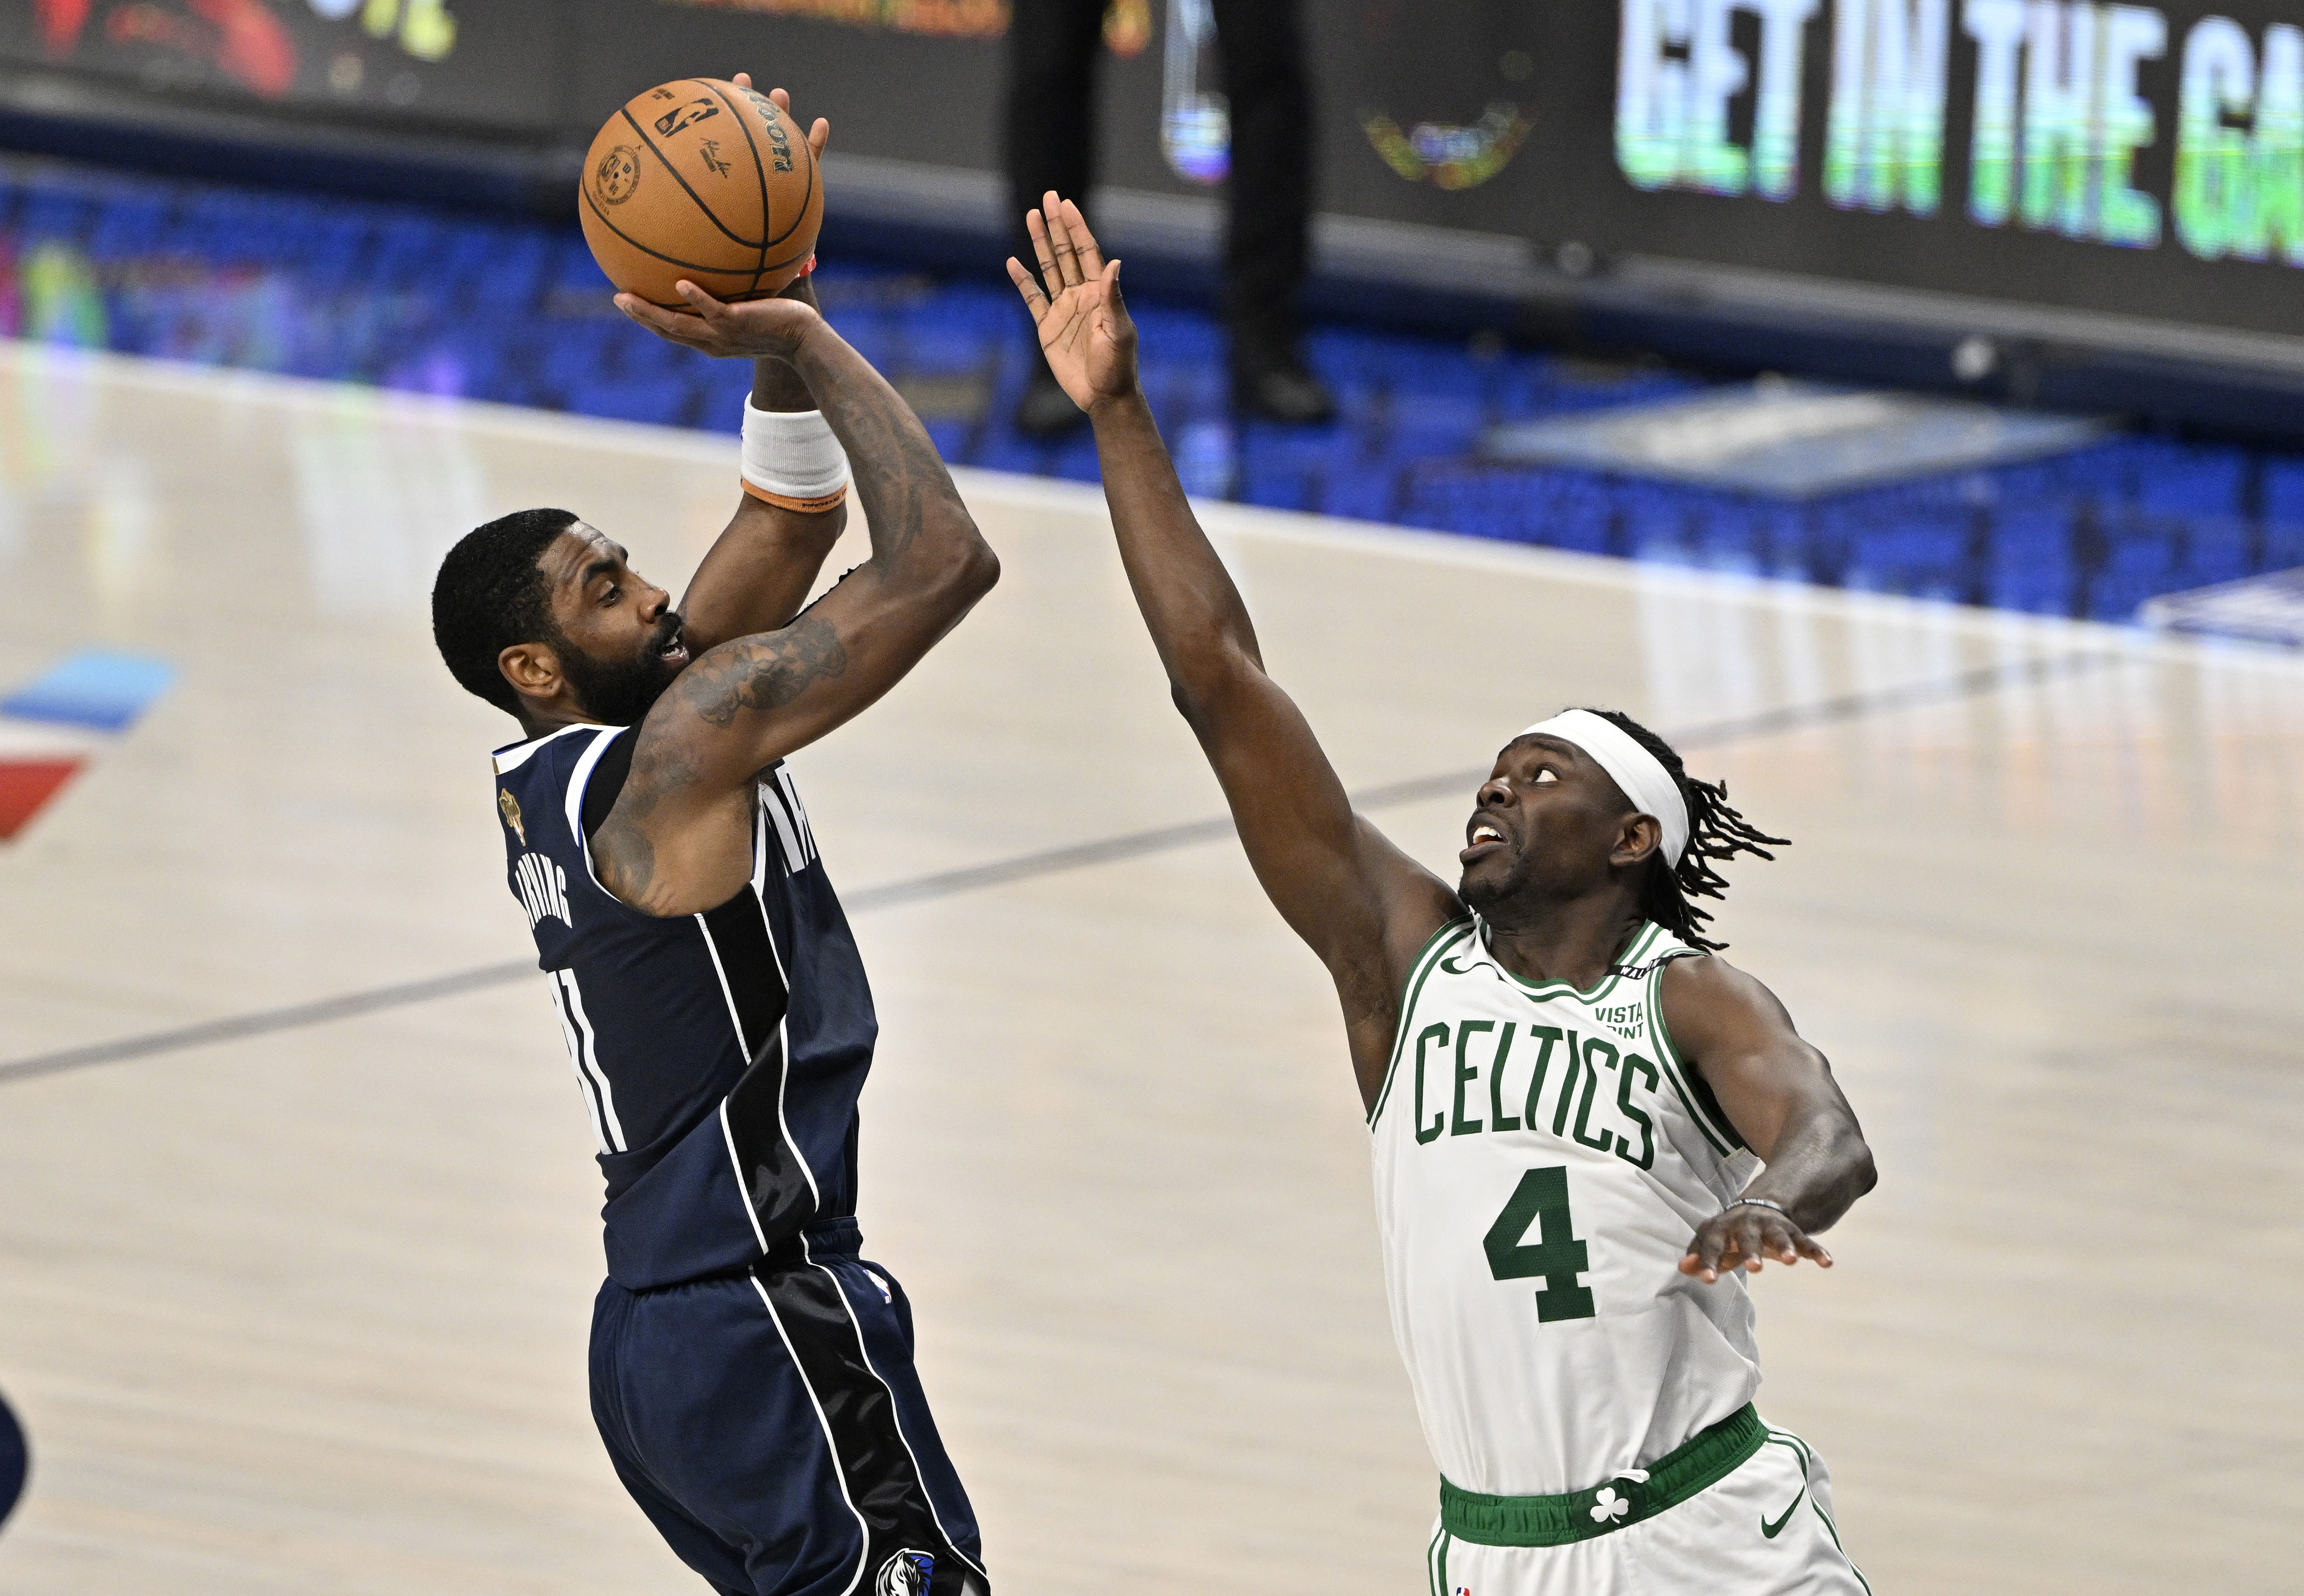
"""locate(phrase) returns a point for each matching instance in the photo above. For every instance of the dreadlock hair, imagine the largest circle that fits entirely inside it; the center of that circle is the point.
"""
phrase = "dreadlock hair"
(1715, 832)
(489, 595)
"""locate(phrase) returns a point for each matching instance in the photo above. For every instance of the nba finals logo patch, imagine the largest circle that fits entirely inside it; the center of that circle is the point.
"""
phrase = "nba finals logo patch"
(510, 806)
(904, 1575)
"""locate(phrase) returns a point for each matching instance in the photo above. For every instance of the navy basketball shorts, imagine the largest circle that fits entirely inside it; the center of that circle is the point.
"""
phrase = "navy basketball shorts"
(773, 1428)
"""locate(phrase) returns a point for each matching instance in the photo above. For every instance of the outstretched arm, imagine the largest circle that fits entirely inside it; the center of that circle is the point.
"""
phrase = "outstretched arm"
(758, 572)
(1777, 1091)
(1363, 906)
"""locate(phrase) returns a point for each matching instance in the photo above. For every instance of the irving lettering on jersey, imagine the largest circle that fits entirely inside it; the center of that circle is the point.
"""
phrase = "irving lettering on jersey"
(1587, 1083)
(543, 890)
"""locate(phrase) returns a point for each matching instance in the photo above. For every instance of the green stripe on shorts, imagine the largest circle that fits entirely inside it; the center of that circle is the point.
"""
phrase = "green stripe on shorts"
(1701, 1461)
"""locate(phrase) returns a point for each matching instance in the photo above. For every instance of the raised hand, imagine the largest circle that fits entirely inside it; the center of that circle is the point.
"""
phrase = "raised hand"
(1743, 1236)
(1085, 330)
(769, 329)
(819, 132)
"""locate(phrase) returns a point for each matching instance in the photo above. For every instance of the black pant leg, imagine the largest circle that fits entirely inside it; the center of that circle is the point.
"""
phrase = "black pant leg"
(1268, 240)
(1050, 126)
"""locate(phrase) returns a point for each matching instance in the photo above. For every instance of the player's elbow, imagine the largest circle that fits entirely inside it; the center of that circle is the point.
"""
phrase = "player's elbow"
(980, 570)
(1179, 694)
(952, 562)
(1195, 697)
(1202, 681)
(1858, 1174)
(972, 569)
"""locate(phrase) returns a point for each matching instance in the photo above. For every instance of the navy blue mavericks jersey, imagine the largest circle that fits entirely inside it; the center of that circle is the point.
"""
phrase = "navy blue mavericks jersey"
(720, 1054)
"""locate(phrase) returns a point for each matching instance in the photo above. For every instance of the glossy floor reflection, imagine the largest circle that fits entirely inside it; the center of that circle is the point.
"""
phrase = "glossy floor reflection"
(304, 1311)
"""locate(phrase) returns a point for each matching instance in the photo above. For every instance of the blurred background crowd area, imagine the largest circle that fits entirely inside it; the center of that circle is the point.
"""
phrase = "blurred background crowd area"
(514, 312)
(1529, 217)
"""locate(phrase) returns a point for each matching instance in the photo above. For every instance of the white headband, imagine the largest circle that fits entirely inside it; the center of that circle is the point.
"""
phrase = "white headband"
(1641, 774)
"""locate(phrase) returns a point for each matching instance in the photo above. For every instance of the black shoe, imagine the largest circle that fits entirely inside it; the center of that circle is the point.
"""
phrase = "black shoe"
(1281, 390)
(1047, 411)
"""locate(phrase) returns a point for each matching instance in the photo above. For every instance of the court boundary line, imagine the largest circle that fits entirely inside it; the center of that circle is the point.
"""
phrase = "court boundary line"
(1839, 710)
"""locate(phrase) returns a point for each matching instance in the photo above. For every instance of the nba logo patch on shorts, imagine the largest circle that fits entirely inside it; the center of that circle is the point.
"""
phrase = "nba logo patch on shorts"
(904, 1575)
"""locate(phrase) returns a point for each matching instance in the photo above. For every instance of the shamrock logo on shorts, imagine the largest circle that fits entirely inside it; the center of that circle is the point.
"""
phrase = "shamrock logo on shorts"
(1608, 1506)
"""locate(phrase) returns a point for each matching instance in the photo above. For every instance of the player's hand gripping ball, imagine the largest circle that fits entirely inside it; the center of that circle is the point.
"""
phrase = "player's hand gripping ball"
(706, 179)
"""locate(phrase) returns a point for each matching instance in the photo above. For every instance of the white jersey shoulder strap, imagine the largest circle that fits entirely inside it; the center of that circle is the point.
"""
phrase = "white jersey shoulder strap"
(1662, 949)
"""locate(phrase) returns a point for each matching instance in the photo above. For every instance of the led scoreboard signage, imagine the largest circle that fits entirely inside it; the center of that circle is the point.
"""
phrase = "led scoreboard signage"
(2056, 117)
(2147, 160)
(2139, 158)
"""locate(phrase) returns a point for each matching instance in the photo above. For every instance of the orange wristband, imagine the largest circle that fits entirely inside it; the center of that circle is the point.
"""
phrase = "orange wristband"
(817, 506)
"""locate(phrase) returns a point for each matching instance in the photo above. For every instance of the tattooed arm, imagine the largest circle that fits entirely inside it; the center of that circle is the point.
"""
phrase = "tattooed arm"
(678, 840)
(758, 572)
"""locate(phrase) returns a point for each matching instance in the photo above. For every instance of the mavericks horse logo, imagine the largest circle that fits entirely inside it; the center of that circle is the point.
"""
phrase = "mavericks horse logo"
(904, 1575)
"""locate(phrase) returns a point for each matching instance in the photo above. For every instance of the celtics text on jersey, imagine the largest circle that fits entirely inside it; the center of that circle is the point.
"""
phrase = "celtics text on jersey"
(1542, 1156)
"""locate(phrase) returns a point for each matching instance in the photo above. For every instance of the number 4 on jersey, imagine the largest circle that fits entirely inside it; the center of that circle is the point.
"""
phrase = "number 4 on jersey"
(1541, 1201)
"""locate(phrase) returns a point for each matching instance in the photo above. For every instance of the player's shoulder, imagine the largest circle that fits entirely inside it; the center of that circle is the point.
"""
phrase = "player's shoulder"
(554, 752)
(536, 776)
(1700, 991)
(1700, 971)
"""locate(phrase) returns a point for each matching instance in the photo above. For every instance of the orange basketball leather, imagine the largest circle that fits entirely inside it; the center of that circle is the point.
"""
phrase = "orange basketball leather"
(702, 180)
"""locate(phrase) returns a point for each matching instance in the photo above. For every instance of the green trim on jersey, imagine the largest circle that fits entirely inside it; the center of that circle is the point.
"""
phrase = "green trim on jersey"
(1700, 1104)
(1419, 969)
(1697, 1464)
(1545, 991)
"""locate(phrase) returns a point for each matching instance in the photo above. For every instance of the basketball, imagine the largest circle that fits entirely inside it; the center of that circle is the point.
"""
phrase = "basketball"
(704, 180)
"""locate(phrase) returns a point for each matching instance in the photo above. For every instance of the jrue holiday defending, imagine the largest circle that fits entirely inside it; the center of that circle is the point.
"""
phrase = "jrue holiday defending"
(1585, 1124)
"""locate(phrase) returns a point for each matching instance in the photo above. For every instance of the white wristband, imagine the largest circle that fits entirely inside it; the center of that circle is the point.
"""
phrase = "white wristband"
(791, 460)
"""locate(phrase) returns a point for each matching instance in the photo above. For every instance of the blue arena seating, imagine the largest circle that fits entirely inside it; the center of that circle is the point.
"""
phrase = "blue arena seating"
(516, 312)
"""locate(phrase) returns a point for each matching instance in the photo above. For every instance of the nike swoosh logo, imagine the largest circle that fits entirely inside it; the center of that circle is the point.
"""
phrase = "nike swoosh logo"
(1773, 1530)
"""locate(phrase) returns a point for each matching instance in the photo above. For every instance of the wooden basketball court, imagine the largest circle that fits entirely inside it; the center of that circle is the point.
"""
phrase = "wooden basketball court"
(297, 1207)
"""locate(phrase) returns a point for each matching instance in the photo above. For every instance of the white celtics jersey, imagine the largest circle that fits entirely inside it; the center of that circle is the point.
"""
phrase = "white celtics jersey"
(1542, 1157)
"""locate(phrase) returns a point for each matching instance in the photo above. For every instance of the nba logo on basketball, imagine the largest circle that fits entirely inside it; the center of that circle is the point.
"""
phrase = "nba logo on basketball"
(904, 1575)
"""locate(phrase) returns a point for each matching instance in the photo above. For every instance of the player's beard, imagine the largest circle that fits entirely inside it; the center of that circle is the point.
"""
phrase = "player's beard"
(1483, 895)
(621, 692)
(1501, 881)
